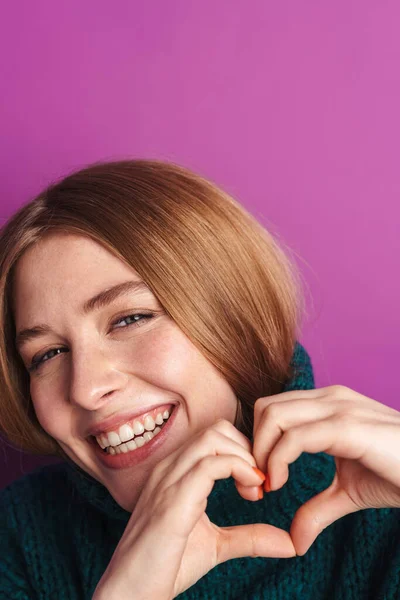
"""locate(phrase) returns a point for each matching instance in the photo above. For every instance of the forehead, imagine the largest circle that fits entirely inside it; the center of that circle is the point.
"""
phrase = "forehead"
(63, 270)
(65, 250)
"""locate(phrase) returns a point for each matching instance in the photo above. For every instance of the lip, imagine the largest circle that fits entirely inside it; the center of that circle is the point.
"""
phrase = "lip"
(129, 459)
(112, 423)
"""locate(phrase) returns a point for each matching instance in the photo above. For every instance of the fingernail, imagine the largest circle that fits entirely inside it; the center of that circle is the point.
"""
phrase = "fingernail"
(267, 483)
(260, 492)
(259, 473)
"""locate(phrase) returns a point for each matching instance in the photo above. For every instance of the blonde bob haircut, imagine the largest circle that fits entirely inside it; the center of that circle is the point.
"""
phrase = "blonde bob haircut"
(221, 276)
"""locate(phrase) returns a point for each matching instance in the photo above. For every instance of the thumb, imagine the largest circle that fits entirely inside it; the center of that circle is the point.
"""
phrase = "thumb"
(319, 512)
(253, 540)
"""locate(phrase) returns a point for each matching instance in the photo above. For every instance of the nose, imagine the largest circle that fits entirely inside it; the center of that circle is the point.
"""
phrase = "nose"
(94, 378)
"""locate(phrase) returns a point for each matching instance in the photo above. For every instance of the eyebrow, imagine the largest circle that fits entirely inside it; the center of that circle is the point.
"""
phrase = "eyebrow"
(98, 301)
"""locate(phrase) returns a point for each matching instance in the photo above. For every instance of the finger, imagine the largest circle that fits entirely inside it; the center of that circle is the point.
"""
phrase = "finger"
(254, 540)
(227, 428)
(277, 418)
(189, 494)
(263, 402)
(318, 513)
(222, 426)
(328, 393)
(338, 436)
(209, 443)
(252, 493)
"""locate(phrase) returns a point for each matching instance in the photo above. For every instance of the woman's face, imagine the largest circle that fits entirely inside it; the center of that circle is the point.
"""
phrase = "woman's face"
(102, 363)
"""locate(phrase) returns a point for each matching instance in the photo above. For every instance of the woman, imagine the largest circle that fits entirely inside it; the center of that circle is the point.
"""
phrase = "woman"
(149, 339)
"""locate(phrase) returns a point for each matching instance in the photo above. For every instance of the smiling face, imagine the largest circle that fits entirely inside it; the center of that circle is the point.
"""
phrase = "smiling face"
(102, 362)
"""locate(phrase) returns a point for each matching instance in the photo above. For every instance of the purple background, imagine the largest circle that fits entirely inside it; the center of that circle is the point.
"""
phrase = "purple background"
(293, 107)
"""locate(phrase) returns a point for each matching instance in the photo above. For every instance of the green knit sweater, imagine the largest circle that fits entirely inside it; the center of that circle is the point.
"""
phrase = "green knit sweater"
(59, 528)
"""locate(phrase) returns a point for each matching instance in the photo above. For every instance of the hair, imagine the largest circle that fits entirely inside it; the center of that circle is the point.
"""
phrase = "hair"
(219, 274)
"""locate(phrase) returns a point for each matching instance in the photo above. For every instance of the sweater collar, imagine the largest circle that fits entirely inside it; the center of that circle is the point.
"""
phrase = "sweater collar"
(94, 492)
(308, 475)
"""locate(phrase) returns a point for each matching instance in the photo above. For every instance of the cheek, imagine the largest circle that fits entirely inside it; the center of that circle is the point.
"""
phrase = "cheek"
(172, 363)
(169, 361)
(52, 413)
(165, 358)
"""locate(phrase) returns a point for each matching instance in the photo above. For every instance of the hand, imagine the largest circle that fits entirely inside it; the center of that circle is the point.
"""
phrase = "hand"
(362, 434)
(169, 542)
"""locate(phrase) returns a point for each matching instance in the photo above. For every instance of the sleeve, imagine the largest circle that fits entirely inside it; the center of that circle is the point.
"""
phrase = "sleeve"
(13, 579)
(303, 375)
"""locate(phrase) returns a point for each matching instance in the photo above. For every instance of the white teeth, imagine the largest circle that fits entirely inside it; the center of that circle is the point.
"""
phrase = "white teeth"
(138, 442)
(149, 423)
(115, 443)
(113, 438)
(100, 441)
(138, 428)
(159, 419)
(125, 433)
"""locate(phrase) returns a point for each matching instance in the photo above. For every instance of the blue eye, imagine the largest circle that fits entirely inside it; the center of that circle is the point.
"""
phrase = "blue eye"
(37, 362)
(132, 317)
(41, 359)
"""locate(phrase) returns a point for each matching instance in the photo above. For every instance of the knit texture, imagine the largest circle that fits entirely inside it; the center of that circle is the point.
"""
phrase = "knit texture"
(59, 528)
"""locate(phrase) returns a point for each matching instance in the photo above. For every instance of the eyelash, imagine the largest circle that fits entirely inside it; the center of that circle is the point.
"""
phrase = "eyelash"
(37, 362)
